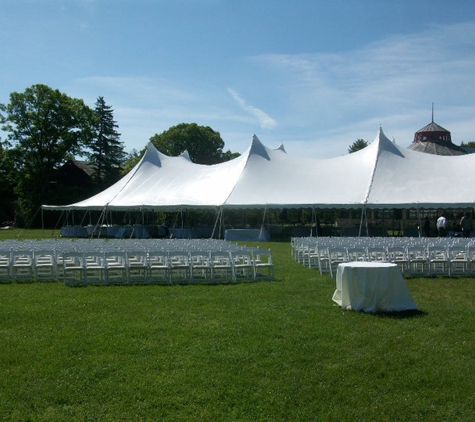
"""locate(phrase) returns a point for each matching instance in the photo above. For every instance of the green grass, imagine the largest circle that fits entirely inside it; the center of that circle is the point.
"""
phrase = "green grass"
(266, 351)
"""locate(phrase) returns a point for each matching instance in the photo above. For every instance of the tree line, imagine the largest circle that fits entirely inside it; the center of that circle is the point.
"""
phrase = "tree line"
(46, 129)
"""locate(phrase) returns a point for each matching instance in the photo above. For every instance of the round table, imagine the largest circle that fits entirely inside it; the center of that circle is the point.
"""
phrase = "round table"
(372, 287)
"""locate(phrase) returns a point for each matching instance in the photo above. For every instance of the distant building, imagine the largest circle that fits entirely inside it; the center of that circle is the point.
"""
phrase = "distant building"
(434, 139)
(76, 173)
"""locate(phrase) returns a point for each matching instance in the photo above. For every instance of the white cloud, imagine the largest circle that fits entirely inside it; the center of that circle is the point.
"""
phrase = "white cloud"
(334, 99)
(265, 121)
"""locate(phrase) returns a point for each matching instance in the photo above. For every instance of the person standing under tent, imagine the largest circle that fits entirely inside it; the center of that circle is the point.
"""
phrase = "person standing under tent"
(466, 225)
(442, 226)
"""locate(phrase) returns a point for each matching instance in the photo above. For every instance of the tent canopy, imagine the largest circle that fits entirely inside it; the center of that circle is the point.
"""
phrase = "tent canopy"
(382, 175)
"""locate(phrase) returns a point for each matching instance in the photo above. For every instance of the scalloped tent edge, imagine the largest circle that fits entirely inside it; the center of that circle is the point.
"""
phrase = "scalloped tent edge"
(382, 175)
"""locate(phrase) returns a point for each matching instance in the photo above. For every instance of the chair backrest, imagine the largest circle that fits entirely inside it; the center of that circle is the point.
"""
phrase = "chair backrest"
(357, 253)
(377, 253)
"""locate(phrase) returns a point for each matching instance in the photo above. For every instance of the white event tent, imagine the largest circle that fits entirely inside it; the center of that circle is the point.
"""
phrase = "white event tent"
(382, 175)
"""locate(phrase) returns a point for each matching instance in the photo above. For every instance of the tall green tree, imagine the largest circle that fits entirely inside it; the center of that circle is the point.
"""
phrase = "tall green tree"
(43, 126)
(7, 184)
(204, 145)
(106, 149)
(357, 145)
(130, 160)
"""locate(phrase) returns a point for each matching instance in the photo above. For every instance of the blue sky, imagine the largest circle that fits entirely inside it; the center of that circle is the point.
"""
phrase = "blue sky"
(313, 75)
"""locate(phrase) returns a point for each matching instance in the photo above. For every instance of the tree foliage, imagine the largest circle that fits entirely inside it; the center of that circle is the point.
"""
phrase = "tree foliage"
(106, 150)
(43, 126)
(203, 144)
(130, 160)
(357, 145)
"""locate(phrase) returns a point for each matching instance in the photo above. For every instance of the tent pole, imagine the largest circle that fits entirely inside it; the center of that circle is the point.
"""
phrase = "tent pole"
(263, 222)
(419, 230)
(216, 223)
(99, 222)
(83, 218)
(221, 225)
(314, 221)
(59, 219)
(365, 219)
(42, 223)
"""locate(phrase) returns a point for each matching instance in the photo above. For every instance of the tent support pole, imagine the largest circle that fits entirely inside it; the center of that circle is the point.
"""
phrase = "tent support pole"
(419, 229)
(221, 225)
(42, 223)
(263, 223)
(57, 222)
(216, 222)
(85, 215)
(363, 219)
(99, 222)
(314, 221)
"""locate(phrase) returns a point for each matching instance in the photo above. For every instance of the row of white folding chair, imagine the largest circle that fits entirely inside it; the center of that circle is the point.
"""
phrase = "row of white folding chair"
(303, 248)
(166, 266)
(91, 265)
(27, 265)
(413, 260)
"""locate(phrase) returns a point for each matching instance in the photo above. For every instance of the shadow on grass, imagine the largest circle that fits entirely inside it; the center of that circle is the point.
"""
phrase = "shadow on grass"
(413, 313)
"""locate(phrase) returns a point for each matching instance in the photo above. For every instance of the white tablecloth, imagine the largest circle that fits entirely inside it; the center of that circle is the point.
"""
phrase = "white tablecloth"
(372, 287)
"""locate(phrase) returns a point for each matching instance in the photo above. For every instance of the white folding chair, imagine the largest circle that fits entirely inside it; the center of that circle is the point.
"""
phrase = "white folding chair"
(337, 255)
(116, 267)
(398, 255)
(221, 266)
(313, 256)
(471, 259)
(5, 266)
(159, 267)
(96, 267)
(137, 266)
(418, 261)
(357, 253)
(22, 265)
(180, 266)
(324, 265)
(73, 268)
(44, 265)
(200, 262)
(242, 265)
(438, 261)
(263, 265)
(377, 253)
(458, 260)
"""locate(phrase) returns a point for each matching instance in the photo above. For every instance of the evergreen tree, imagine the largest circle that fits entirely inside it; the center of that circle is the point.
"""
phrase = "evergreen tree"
(357, 145)
(106, 149)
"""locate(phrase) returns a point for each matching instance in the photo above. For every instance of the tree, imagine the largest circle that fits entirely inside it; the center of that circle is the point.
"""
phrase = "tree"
(7, 183)
(203, 144)
(357, 145)
(106, 150)
(131, 159)
(43, 126)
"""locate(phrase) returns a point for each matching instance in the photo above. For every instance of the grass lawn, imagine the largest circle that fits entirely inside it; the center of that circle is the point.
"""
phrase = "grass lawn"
(265, 351)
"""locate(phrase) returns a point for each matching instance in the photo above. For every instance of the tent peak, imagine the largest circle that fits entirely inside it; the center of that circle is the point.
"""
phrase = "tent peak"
(186, 155)
(258, 148)
(384, 144)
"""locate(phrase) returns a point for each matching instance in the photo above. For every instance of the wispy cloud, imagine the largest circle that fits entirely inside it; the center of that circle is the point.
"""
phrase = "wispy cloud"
(265, 121)
(391, 82)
